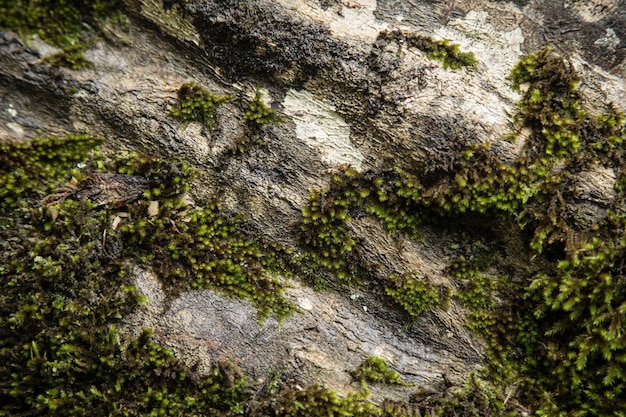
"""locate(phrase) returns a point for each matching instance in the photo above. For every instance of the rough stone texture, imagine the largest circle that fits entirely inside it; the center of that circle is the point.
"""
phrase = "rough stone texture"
(349, 98)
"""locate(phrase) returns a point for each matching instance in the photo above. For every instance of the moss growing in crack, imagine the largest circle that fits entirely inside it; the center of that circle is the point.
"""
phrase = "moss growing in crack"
(195, 104)
(65, 24)
(375, 369)
(475, 398)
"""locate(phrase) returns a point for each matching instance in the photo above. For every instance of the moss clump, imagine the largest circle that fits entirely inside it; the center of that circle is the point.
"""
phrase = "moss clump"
(475, 398)
(259, 113)
(449, 54)
(71, 57)
(197, 247)
(324, 230)
(62, 23)
(476, 291)
(29, 170)
(375, 369)
(195, 104)
(418, 296)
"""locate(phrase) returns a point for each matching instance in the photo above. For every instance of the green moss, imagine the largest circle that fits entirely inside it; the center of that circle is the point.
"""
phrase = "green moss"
(476, 291)
(259, 113)
(418, 296)
(31, 169)
(257, 116)
(559, 335)
(62, 23)
(71, 57)
(316, 401)
(64, 295)
(449, 54)
(67, 283)
(476, 398)
(375, 369)
(195, 104)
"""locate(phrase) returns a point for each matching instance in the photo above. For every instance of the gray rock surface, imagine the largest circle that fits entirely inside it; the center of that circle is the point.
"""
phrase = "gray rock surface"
(349, 98)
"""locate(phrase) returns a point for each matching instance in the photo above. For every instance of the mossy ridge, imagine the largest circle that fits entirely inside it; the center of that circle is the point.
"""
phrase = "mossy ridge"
(63, 23)
(582, 291)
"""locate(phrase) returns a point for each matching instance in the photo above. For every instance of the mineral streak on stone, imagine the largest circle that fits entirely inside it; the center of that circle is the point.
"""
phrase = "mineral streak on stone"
(321, 128)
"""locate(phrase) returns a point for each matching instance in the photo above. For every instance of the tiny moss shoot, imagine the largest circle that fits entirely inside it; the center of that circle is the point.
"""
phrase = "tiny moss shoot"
(260, 113)
(257, 116)
(195, 104)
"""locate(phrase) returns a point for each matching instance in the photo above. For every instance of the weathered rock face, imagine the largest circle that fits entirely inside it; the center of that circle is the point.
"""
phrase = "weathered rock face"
(351, 96)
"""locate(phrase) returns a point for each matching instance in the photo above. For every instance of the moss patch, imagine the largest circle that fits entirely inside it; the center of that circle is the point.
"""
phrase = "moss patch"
(195, 104)
(448, 53)
(559, 335)
(375, 369)
(61, 23)
(30, 170)
(417, 296)
(258, 115)
(67, 282)
(65, 291)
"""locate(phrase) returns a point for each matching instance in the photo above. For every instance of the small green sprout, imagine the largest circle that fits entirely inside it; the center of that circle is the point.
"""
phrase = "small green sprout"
(260, 113)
